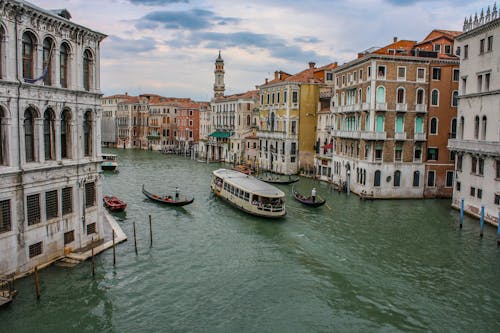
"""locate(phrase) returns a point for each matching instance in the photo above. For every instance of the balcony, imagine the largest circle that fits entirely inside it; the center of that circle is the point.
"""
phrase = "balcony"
(381, 106)
(365, 106)
(374, 136)
(421, 107)
(475, 146)
(401, 107)
(346, 134)
(420, 137)
(400, 136)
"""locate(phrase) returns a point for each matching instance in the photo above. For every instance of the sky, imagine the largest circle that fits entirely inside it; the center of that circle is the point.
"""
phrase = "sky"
(169, 47)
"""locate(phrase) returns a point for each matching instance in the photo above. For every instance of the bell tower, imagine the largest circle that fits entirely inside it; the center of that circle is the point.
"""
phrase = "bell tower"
(219, 87)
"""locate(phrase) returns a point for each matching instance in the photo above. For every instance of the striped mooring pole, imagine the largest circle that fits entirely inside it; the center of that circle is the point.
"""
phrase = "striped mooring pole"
(481, 221)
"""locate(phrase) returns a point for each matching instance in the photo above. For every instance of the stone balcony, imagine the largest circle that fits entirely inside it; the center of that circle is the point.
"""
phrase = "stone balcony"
(375, 136)
(475, 146)
(346, 134)
(420, 137)
(401, 107)
(381, 107)
(420, 107)
(400, 136)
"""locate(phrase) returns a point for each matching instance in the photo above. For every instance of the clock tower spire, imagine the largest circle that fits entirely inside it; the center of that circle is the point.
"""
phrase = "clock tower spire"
(219, 87)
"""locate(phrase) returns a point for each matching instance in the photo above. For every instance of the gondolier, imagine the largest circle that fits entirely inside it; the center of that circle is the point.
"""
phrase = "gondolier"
(313, 194)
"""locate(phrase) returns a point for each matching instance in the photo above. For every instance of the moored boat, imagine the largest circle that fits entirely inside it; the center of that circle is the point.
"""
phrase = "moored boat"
(243, 169)
(248, 194)
(308, 201)
(278, 179)
(109, 162)
(177, 200)
(113, 203)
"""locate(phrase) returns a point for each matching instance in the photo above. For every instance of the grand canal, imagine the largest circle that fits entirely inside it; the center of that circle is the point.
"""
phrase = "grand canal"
(351, 266)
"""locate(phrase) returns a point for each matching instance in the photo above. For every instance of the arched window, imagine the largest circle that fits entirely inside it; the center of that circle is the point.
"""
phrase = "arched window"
(461, 128)
(380, 123)
(87, 134)
(399, 124)
(454, 98)
(48, 134)
(416, 178)
(47, 61)
(29, 135)
(397, 178)
(87, 70)
(400, 95)
(476, 127)
(64, 65)
(249, 121)
(4, 148)
(420, 96)
(419, 125)
(435, 97)
(453, 133)
(368, 94)
(380, 97)
(376, 180)
(272, 121)
(29, 49)
(433, 128)
(483, 129)
(66, 134)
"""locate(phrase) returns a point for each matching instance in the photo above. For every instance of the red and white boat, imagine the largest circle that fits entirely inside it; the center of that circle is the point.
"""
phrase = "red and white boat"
(114, 204)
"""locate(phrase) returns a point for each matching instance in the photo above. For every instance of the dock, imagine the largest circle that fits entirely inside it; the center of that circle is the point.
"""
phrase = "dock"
(7, 292)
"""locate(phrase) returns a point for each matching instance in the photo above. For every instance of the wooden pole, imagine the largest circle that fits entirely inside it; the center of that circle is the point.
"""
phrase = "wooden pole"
(498, 229)
(461, 213)
(114, 250)
(93, 265)
(135, 240)
(481, 222)
(150, 231)
(37, 284)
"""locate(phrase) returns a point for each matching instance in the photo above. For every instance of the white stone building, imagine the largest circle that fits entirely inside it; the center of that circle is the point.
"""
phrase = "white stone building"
(478, 139)
(50, 183)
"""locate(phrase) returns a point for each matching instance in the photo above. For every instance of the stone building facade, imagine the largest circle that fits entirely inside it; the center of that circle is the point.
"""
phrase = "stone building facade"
(50, 110)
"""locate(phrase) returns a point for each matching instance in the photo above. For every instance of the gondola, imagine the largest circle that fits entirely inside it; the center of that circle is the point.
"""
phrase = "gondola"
(167, 199)
(276, 179)
(308, 200)
(114, 204)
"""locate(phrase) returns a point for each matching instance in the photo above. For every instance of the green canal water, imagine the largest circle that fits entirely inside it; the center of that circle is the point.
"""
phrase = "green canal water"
(354, 266)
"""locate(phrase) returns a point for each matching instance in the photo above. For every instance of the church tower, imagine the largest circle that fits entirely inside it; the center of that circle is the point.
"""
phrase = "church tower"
(219, 87)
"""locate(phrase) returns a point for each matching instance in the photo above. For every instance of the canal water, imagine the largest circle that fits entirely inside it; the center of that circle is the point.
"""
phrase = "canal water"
(350, 266)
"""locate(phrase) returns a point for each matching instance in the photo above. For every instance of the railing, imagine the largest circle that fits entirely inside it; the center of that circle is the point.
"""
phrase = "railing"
(365, 106)
(373, 135)
(381, 106)
(271, 208)
(346, 134)
(401, 107)
(421, 107)
(482, 147)
(420, 137)
(400, 136)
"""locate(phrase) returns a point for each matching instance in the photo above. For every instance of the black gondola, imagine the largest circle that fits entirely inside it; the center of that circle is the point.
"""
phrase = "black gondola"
(277, 179)
(167, 199)
(308, 200)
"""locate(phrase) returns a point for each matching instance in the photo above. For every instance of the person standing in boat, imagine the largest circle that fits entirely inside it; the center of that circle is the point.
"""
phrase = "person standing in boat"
(313, 194)
(176, 193)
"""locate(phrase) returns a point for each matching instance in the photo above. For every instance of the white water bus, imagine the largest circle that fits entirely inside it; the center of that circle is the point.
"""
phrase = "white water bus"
(109, 162)
(248, 193)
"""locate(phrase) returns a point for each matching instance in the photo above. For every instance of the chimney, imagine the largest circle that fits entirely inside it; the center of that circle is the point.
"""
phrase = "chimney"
(311, 64)
(126, 93)
(266, 80)
(360, 55)
(395, 39)
(276, 75)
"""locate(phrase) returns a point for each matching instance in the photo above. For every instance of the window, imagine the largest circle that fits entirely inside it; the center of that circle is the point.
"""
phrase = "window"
(87, 134)
(4, 148)
(490, 44)
(437, 48)
(459, 185)
(87, 70)
(65, 134)
(295, 97)
(399, 124)
(459, 162)
(453, 133)
(397, 178)
(473, 164)
(480, 166)
(447, 49)
(284, 96)
(481, 46)
(398, 153)
(2, 37)
(456, 74)
(51, 206)
(466, 51)
(35, 249)
(369, 71)
(479, 83)
(454, 99)
(29, 49)
(33, 208)
(449, 178)
(5, 218)
(378, 152)
(360, 75)
(89, 195)
(63, 65)
(436, 73)
(400, 95)
(433, 128)
(431, 175)
(47, 61)
(376, 181)
(381, 72)
(48, 134)
(401, 73)
(479, 193)
(420, 96)
(421, 74)
(432, 154)
(67, 200)
(419, 125)
(416, 178)
(329, 76)
(380, 97)
(435, 97)
(472, 191)
(91, 228)
(464, 85)
(29, 133)
(487, 82)
(69, 237)
(368, 94)
(476, 127)
(380, 123)
(483, 130)
(497, 199)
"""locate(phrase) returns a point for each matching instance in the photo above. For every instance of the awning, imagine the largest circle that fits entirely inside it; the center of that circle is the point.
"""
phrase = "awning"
(328, 146)
(221, 134)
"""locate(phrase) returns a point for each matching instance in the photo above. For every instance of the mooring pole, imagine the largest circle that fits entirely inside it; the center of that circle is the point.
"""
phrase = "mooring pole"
(498, 229)
(135, 240)
(461, 213)
(93, 266)
(150, 231)
(37, 284)
(114, 250)
(481, 221)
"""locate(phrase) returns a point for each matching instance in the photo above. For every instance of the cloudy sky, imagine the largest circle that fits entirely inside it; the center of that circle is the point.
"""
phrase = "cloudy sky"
(169, 47)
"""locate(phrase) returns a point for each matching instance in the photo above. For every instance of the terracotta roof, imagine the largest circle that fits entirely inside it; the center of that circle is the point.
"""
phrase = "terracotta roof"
(405, 45)
(249, 94)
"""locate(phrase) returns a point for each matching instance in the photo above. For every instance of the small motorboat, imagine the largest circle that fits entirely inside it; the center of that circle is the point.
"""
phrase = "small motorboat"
(177, 200)
(114, 204)
(308, 200)
(278, 179)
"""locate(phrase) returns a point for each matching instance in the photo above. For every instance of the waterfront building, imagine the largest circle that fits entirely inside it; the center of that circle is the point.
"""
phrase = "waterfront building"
(109, 127)
(205, 128)
(477, 142)
(288, 116)
(393, 110)
(50, 155)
